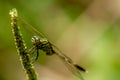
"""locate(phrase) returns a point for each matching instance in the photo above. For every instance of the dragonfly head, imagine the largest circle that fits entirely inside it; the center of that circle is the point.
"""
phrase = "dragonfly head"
(35, 40)
(42, 44)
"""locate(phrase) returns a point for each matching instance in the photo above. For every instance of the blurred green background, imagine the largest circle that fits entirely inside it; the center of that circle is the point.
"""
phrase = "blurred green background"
(85, 30)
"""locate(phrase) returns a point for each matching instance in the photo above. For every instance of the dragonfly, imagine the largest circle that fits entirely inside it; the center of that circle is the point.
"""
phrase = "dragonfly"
(40, 42)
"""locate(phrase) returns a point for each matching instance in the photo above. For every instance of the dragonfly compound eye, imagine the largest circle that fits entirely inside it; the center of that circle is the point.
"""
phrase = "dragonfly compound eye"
(35, 40)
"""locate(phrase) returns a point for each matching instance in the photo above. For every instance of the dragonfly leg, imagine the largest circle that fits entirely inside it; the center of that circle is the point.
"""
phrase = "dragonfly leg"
(33, 52)
(37, 55)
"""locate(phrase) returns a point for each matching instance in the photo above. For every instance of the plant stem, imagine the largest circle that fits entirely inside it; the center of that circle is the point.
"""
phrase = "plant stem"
(21, 47)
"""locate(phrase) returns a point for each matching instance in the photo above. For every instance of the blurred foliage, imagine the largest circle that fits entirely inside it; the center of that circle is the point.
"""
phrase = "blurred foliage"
(73, 8)
(56, 19)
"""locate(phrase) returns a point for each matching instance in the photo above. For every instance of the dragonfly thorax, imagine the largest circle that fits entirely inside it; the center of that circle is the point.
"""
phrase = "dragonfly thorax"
(42, 44)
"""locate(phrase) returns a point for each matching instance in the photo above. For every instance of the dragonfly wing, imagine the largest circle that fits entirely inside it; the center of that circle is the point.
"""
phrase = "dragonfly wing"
(70, 65)
(31, 28)
(74, 68)
(79, 67)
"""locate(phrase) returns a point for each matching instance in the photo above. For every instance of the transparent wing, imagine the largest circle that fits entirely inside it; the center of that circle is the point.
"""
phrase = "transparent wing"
(31, 28)
(62, 54)
(74, 68)
(35, 31)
